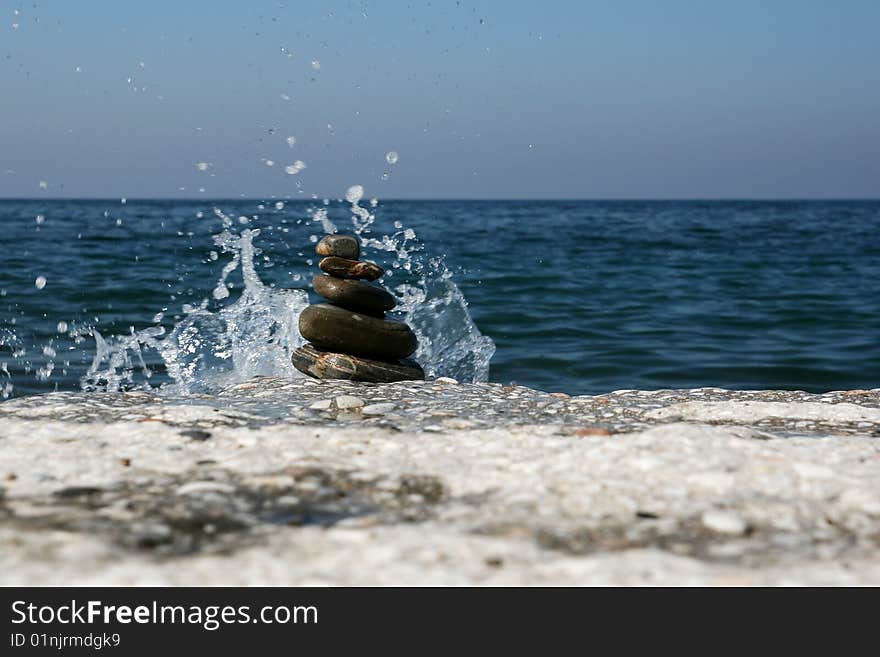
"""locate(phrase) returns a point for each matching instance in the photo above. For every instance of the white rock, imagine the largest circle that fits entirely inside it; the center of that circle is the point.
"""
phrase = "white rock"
(708, 484)
(446, 379)
(322, 405)
(378, 409)
(346, 402)
(724, 522)
(199, 487)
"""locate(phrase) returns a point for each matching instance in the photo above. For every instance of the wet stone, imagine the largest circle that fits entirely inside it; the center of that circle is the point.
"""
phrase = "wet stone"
(351, 269)
(341, 246)
(330, 365)
(335, 329)
(353, 295)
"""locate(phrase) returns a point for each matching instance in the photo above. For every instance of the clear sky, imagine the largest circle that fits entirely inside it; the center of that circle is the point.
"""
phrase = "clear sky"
(486, 99)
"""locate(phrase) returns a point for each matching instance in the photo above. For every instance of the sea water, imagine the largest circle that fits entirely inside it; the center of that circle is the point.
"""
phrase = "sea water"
(575, 296)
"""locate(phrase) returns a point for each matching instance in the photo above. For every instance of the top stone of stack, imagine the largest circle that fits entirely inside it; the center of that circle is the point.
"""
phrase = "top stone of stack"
(340, 246)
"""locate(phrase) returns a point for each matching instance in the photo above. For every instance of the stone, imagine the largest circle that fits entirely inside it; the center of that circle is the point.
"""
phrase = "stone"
(355, 269)
(321, 405)
(353, 295)
(378, 409)
(557, 509)
(341, 246)
(335, 329)
(203, 487)
(723, 522)
(321, 364)
(347, 402)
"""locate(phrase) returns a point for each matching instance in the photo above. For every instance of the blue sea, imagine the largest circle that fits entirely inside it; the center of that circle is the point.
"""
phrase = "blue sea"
(582, 297)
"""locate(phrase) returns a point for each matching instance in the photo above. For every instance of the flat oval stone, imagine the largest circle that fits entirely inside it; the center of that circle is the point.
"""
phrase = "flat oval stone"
(336, 329)
(342, 246)
(345, 268)
(321, 364)
(353, 295)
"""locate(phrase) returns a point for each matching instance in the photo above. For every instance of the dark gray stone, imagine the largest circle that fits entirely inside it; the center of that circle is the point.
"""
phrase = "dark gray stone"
(337, 329)
(354, 295)
(321, 364)
(354, 269)
(342, 246)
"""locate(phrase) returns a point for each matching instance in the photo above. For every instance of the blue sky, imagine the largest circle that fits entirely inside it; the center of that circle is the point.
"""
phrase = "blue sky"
(624, 99)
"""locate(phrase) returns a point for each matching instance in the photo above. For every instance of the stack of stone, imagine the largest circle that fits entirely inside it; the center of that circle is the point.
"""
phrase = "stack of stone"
(350, 337)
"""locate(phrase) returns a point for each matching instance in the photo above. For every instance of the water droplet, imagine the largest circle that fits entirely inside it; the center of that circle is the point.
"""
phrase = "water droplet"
(391, 157)
(354, 193)
(220, 292)
(279, 205)
(270, 163)
(291, 141)
(49, 351)
(78, 69)
(316, 65)
(295, 168)
(203, 166)
(285, 97)
(40, 219)
(40, 283)
(44, 184)
(62, 327)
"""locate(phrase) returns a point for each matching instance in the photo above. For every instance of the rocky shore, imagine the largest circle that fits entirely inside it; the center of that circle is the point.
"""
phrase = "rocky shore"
(333, 482)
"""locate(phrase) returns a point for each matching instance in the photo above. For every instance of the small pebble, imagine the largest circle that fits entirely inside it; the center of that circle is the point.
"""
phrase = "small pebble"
(322, 405)
(348, 402)
(724, 522)
(446, 379)
(197, 487)
(196, 434)
(592, 431)
(378, 409)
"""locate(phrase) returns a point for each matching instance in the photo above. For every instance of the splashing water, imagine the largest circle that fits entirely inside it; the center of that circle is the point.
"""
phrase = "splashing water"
(450, 344)
(206, 350)
(257, 333)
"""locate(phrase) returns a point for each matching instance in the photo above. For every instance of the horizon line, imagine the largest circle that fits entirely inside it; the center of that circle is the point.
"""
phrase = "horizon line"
(608, 199)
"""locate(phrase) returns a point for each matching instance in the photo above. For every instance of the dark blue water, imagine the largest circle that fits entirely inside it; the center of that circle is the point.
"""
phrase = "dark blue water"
(581, 297)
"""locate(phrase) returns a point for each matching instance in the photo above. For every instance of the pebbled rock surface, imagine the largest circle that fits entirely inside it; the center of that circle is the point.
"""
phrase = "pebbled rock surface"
(330, 482)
